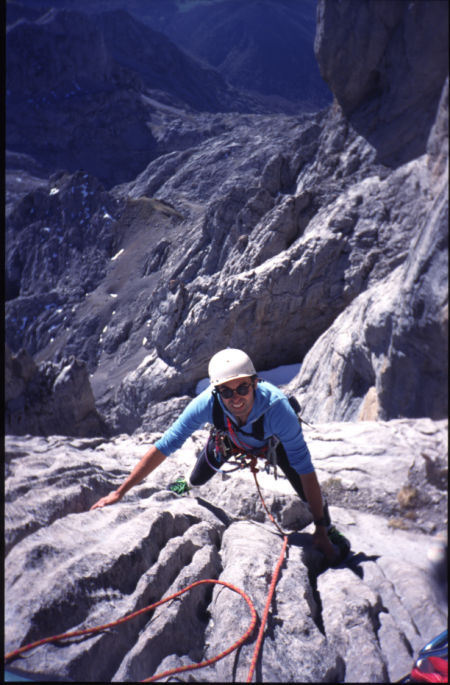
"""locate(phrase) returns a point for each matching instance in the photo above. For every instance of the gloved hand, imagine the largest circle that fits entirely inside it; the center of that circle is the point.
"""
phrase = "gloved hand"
(324, 544)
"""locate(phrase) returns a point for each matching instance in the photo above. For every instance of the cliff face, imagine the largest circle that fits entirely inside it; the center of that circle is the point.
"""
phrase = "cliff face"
(394, 337)
(296, 237)
(386, 354)
(387, 71)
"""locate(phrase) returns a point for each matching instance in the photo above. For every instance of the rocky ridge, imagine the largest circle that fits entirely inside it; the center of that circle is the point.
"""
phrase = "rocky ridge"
(49, 398)
(361, 622)
(229, 36)
(227, 237)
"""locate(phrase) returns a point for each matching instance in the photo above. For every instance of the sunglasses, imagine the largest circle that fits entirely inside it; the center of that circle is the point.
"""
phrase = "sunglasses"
(227, 393)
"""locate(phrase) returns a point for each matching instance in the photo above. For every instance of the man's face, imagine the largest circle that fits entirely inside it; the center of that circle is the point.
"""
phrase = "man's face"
(239, 405)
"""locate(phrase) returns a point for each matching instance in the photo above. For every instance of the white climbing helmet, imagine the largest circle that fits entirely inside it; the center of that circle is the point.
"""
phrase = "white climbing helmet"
(229, 364)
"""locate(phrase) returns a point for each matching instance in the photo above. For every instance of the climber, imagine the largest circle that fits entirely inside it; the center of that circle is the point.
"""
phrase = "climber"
(253, 416)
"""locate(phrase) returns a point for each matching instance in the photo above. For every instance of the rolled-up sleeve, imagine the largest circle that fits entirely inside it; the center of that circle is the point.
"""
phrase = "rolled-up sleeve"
(283, 422)
(195, 415)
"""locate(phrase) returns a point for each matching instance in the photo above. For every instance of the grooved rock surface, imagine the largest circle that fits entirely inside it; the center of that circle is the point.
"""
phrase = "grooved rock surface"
(69, 568)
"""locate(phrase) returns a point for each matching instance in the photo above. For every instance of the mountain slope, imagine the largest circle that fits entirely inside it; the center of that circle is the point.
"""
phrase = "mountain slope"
(75, 85)
(290, 236)
(264, 46)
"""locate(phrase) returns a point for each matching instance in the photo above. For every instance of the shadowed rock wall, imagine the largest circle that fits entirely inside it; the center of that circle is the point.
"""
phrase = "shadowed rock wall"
(49, 399)
(397, 55)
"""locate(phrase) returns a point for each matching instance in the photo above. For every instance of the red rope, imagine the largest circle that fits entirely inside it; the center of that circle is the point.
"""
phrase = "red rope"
(266, 611)
(274, 581)
(254, 470)
(150, 607)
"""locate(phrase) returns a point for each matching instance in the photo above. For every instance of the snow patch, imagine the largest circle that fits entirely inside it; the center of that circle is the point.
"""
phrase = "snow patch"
(277, 376)
(116, 256)
(281, 375)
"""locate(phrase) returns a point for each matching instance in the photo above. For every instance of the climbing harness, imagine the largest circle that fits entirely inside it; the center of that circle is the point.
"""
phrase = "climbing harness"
(223, 450)
(228, 453)
(249, 461)
(267, 452)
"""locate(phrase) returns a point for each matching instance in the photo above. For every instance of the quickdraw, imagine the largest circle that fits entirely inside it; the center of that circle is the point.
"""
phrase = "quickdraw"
(237, 454)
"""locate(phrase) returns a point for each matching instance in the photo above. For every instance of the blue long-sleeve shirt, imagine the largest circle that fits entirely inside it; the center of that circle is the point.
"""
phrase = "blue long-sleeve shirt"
(280, 420)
